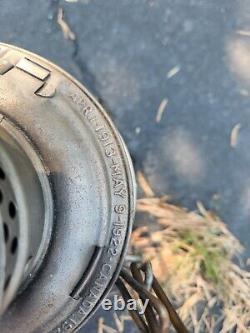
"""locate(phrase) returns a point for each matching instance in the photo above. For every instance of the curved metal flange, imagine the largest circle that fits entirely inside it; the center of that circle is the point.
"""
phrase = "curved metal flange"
(2, 262)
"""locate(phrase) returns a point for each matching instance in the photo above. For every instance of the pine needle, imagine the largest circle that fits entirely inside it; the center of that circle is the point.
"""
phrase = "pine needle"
(245, 33)
(67, 32)
(143, 183)
(173, 71)
(234, 135)
(161, 110)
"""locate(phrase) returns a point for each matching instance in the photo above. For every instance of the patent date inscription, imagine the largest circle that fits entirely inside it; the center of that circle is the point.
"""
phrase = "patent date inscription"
(119, 212)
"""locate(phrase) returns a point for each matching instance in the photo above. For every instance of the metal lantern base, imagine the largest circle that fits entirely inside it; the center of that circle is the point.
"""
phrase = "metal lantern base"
(71, 180)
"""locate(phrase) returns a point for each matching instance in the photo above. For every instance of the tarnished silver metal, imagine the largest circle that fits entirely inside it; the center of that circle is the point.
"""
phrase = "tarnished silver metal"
(80, 190)
(25, 208)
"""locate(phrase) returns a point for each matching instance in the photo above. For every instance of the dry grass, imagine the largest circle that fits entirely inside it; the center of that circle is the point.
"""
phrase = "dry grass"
(193, 255)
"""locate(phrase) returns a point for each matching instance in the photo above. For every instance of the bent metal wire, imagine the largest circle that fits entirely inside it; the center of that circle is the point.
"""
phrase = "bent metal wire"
(67, 199)
(159, 313)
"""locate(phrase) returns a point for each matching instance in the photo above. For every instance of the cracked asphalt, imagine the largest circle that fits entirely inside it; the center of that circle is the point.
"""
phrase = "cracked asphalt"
(126, 53)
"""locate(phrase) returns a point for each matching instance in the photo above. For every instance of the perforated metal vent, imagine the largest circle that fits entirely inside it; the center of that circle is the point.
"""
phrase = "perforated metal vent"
(10, 226)
(24, 228)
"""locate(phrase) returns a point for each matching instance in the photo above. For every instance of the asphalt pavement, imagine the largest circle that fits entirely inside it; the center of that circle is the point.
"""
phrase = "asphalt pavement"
(175, 78)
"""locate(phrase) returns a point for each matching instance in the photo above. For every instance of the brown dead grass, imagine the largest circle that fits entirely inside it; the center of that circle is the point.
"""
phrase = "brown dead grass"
(193, 255)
